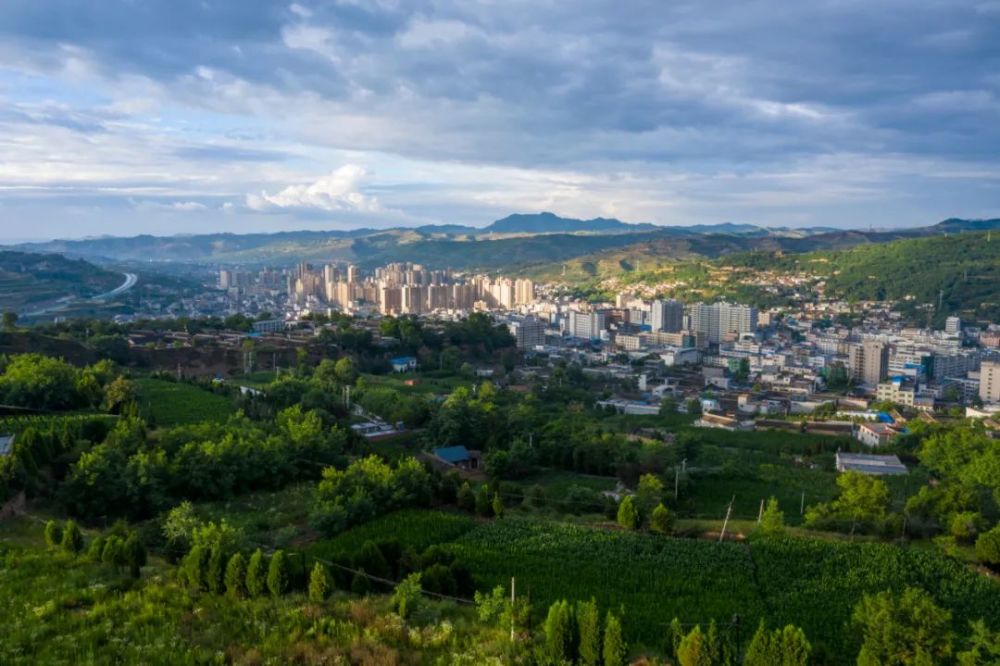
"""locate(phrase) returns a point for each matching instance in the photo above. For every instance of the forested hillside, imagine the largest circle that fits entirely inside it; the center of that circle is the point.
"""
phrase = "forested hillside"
(29, 279)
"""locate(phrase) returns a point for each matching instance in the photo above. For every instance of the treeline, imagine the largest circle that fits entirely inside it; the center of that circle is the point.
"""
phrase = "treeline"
(133, 475)
(43, 384)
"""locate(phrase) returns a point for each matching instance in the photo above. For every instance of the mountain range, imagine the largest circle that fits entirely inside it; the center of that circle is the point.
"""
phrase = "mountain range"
(515, 241)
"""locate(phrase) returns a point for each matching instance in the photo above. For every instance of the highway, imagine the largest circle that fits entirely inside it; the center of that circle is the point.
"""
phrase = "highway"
(130, 280)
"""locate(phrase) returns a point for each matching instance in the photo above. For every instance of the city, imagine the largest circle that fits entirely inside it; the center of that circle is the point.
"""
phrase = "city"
(505, 334)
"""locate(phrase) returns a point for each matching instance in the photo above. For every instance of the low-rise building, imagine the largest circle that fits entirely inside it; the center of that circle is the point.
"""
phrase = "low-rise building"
(869, 464)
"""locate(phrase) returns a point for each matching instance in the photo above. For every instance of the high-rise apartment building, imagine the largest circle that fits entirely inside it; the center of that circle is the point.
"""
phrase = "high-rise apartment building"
(528, 332)
(586, 325)
(721, 321)
(667, 315)
(868, 362)
(989, 381)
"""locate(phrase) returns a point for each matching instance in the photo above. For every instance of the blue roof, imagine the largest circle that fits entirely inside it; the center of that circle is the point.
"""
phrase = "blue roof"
(452, 454)
(885, 417)
(403, 359)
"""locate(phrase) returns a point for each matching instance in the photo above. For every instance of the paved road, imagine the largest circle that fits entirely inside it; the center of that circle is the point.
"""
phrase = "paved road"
(130, 280)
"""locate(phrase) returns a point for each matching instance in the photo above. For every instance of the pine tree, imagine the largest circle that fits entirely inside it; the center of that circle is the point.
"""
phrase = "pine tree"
(466, 498)
(319, 583)
(787, 647)
(195, 566)
(256, 574)
(216, 572)
(559, 632)
(676, 636)
(662, 521)
(236, 576)
(72, 538)
(483, 506)
(694, 650)
(588, 622)
(497, 505)
(615, 648)
(278, 575)
(772, 522)
(628, 514)
(95, 549)
(360, 585)
(53, 534)
(134, 554)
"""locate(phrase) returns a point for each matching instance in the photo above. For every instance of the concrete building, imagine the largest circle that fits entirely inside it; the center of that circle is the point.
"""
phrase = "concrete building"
(586, 325)
(989, 382)
(953, 326)
(529, 332)
(721, 321)
(868, 362)
(667, 316)
(897, 390)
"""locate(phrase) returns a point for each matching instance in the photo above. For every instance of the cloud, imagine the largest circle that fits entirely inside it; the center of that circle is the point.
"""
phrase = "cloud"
(338, 191)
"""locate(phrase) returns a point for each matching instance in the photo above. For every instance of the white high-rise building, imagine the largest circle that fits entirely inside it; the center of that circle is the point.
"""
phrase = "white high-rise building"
(953, 325)
(718, 321)
(587, 325)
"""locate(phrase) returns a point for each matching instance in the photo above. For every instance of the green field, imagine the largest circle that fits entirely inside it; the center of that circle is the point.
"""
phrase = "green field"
(812, 583)
(176, 403)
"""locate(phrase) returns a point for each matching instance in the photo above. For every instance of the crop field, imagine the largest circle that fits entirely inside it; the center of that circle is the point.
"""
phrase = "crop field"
(654, 578)
(812, 583)
(815, 584)
(176, 403)
(412, 528)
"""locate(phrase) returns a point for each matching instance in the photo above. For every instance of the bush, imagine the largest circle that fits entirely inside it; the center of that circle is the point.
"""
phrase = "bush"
(236, 576)
(988, 547)
(256, 574)
(662, 521)
(319, 583)
(72, 538)
(628, 513)
(53, 534)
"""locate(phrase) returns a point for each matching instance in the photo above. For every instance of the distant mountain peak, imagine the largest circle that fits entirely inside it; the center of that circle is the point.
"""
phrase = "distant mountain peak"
(547, 222)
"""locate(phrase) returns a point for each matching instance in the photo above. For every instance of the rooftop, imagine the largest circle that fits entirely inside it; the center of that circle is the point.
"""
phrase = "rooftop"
(869, 464)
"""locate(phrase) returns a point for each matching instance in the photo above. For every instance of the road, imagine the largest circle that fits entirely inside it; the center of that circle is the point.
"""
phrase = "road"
(130, 280)
(67, 301)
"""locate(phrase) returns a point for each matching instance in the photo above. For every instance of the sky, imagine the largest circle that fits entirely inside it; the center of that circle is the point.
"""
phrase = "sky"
(123, 117)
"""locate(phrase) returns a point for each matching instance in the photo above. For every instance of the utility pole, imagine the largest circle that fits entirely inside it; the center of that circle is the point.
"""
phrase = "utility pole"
(513, 612)
(725, 523)
(760, 513)
(802, 504)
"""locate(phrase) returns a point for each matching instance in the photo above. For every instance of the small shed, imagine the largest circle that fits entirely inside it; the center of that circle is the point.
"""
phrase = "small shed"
(870, 464)
(458, 456)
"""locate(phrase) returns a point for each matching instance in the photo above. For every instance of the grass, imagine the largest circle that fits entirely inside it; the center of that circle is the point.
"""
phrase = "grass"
(557, 483)
(176, 403)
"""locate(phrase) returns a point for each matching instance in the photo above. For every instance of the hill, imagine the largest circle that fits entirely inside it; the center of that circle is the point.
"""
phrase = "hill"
(546, 223)
(31, 281)
(517, 241)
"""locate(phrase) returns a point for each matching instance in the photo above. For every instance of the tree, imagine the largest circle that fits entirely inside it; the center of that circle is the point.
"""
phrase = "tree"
(988, 547)
(195, 566)
(785, 647)
(497, 505)
(345, 370)
(407, 595)
(588, 622)
(668, 406)
(772, 521)
(661, 521)
(72, 538)
(256, 574)
(862, 498)
(9, 321)
(906, 628)
(628, 514)
(648, 494)
(360, 585)
(983, 648)
(216, 571)
(319, 583)
(114, 552)
(53, 534)
(615, 648)
(466, 498)
(694, 649)
(236, 576)
(118, 394)
(135, 555)
(278, 575)
(559, 632)
(483, 505)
